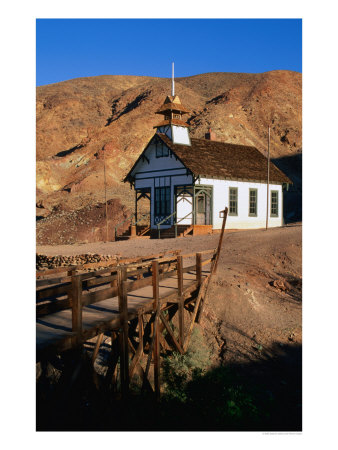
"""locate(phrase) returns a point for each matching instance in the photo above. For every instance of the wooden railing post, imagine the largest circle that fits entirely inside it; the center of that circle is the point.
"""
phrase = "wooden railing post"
(180, 299)
(157, 308)
(76, 296)
(199, 268)
(124, 346)
(225, 214)
(114, 281)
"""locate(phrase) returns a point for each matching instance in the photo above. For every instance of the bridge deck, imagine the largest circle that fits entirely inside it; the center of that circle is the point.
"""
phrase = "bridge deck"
(56, 328)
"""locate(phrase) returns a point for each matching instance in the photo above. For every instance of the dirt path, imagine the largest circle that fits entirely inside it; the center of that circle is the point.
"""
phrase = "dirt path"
(140, 247)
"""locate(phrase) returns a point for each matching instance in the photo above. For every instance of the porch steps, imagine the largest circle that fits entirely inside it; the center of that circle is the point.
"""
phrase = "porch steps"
(142, 231)
(169, 233)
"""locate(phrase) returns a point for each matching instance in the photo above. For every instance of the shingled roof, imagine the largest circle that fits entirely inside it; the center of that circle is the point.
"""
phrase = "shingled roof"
(222, 160)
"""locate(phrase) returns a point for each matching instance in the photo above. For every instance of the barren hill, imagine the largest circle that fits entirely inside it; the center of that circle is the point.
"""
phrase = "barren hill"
(79, 120)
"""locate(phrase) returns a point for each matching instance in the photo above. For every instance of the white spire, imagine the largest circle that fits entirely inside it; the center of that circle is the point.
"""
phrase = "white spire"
(172, 82)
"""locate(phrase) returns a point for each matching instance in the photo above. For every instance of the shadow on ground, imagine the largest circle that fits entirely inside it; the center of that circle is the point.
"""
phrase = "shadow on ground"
(261, 395)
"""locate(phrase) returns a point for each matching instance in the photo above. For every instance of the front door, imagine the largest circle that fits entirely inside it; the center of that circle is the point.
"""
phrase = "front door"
(203, 205)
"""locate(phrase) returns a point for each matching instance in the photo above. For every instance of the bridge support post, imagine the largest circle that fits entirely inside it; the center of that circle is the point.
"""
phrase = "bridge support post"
(76, 295)
(123, 336)
(199, 268)
(157, 309)
(180, 299)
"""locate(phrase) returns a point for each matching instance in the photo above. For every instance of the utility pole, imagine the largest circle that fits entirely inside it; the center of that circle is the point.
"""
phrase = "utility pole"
(105, 192)
(267, 186)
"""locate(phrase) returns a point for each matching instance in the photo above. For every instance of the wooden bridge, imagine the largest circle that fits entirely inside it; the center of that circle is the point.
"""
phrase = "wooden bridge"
(133, 302)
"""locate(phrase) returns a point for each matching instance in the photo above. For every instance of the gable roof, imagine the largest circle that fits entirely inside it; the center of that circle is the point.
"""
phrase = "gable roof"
(222, 160)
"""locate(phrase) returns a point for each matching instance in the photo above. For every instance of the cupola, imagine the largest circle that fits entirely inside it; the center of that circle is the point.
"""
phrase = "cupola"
(172, 124)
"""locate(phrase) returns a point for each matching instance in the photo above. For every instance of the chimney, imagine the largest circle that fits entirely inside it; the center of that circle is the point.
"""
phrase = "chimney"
(210, 135)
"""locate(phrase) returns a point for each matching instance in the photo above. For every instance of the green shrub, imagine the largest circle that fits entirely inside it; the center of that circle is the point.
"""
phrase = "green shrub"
(179, 369)
(195, 393)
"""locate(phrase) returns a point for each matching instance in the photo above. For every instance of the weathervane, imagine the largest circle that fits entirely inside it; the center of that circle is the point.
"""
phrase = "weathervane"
(172, 82)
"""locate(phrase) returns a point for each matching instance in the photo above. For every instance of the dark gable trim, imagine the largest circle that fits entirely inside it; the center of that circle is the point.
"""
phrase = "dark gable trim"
(128, 177)
(153, 140)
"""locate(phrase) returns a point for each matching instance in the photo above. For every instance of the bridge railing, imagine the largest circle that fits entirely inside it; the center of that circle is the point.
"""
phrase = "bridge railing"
(76, 290)
(129, 275)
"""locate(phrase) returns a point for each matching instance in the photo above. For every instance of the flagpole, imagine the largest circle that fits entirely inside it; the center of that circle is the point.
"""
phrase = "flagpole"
(267, 186)
(105, 192)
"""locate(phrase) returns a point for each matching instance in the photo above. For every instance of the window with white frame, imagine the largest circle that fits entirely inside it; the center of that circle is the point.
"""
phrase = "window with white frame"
(233, 201)
(274, 204)
(253, 193)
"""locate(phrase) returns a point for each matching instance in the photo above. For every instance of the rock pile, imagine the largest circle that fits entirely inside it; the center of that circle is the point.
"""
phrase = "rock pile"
(52, 262)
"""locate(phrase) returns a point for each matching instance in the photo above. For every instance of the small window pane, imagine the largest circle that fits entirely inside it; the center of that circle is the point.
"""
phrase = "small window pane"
(233, 201)
(274, 204)
(162, 201)
(253, 202)
(200, 204)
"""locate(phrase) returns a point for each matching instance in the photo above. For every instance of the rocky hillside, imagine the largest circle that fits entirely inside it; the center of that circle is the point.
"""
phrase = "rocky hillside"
(80, 120)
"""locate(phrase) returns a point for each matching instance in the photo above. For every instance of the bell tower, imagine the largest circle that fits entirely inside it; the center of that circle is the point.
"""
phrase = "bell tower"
(172, 124)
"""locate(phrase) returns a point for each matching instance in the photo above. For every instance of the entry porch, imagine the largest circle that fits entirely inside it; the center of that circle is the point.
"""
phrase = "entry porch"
(171, 211)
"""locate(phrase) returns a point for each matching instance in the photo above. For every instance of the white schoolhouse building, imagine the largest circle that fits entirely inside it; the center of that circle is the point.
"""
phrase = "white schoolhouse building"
(189, 181)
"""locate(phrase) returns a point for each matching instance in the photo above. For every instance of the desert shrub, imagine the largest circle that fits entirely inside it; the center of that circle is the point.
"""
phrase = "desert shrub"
(197, 395)
(179, 369)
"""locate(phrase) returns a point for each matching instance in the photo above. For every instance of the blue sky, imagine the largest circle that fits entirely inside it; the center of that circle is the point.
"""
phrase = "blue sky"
(72, 48)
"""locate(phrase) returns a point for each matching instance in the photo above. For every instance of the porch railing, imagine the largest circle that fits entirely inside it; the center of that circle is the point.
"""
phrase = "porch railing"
(178, 221)
(162, 221)
(175, 224)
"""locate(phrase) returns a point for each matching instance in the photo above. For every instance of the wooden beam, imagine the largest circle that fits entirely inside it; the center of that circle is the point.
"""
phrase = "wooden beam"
(97, 347)
(180, 299)
(171, 333)
(76, 296)
(67, 269)
(225, 214)
(41, 282)
(199, 268)
(139, 351)
(54, 291)
(110, 377)
(157, 308)
(94, 297)
(52, 306)
(198, 300)
(124, 345)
